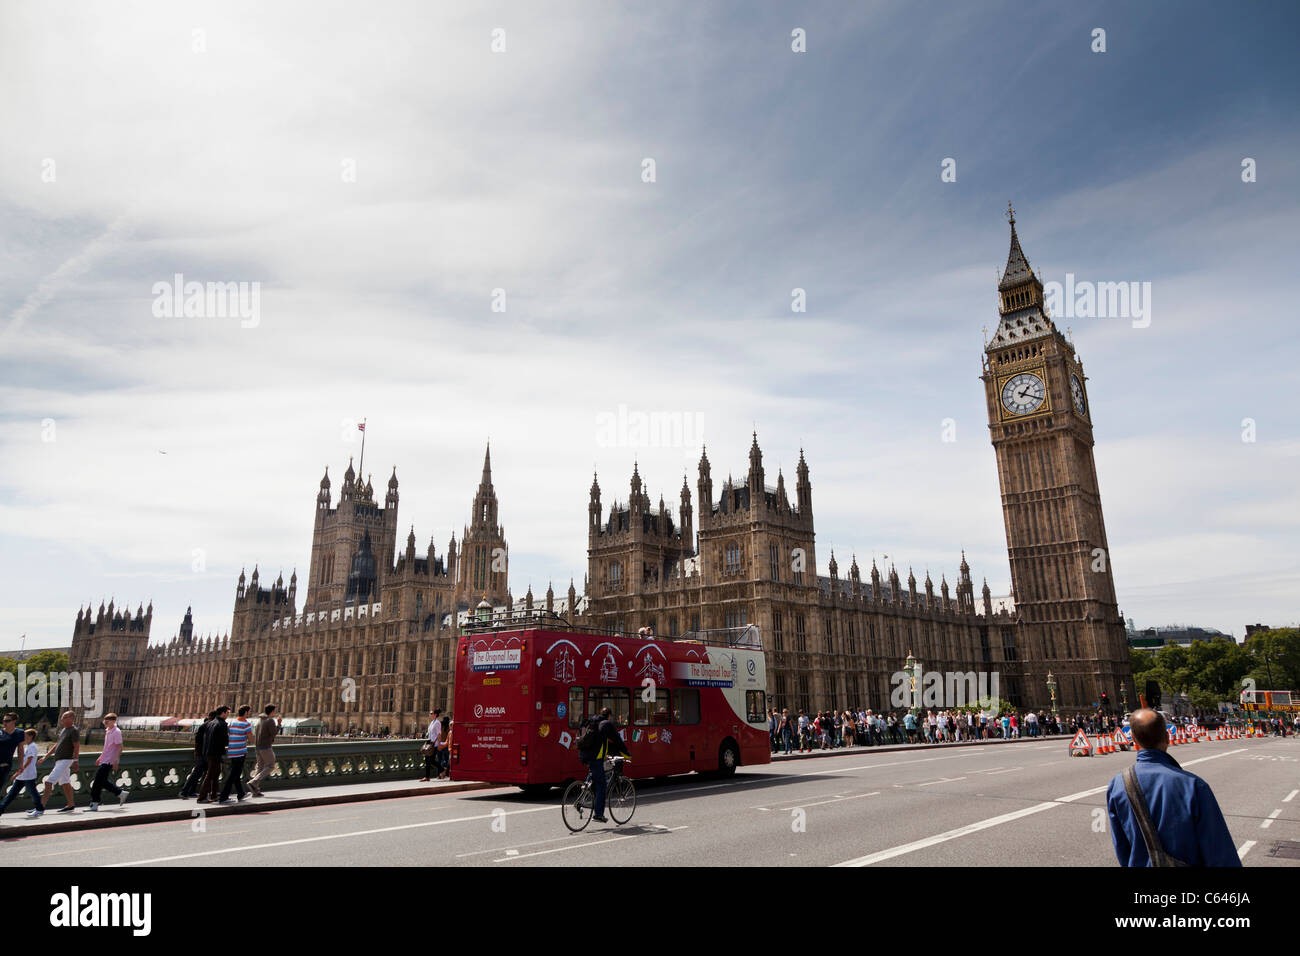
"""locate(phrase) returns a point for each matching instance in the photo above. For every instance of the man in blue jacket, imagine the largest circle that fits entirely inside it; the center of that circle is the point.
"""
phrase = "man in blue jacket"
(1183, 811)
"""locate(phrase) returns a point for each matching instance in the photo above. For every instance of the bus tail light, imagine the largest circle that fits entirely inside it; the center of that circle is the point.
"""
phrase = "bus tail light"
(523, 755)
(455, 752)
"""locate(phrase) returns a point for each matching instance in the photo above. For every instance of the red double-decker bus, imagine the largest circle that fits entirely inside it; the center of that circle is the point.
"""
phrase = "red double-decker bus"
(523, 688)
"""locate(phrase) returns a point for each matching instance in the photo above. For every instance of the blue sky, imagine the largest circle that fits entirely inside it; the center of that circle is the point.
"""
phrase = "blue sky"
(522, 170)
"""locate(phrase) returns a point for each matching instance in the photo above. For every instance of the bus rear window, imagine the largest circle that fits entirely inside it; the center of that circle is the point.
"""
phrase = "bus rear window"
(617, 699)
(755, 706)
(686, 706)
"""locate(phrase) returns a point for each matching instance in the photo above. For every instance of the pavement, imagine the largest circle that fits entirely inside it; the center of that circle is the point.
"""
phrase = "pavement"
(990, 804)
(17, 823)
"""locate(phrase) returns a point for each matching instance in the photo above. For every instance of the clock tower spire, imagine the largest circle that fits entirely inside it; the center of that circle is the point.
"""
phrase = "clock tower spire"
(1040, 424)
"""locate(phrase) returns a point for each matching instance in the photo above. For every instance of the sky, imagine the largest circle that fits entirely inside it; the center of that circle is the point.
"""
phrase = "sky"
(508, 222)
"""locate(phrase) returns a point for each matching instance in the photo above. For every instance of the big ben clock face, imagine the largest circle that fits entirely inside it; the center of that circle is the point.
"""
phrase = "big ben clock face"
(1076, 391)
(1023, 393)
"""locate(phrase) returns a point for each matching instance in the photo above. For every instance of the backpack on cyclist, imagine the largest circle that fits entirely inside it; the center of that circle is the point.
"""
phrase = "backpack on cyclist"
(590, 739)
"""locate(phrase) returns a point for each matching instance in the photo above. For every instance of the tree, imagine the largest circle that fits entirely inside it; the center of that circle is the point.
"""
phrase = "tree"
(1275, 655)
(46, 662)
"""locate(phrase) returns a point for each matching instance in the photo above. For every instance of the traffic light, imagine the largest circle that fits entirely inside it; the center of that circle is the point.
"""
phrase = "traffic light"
(1105, 701)
(1153, 695)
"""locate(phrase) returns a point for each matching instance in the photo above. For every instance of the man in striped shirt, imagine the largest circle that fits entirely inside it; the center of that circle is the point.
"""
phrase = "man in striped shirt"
(238, 749)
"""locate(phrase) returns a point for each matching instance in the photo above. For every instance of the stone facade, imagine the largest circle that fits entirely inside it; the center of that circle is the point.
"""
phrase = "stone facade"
(371, 648)
(832, 641)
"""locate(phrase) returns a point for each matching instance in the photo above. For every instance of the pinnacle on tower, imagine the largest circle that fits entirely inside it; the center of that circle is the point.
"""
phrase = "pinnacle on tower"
(1017, 271)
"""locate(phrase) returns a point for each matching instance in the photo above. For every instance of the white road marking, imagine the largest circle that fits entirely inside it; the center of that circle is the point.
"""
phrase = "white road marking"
(1271, 817)
(497, 849)
(561, 849)
(940, 780)
(1008, 770)
(1289, 796)
(328, 836)
(856, 796)
(995, 821)
(1244, 849)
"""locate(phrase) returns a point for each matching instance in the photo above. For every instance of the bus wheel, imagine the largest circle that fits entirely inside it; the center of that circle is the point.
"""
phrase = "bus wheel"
(535, 789)
(728, 758)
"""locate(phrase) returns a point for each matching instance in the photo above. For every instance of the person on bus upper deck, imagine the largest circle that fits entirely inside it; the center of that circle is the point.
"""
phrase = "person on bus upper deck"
(610, 745)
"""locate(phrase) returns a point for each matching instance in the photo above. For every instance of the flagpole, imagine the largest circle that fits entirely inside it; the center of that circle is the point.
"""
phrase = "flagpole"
(361, 468)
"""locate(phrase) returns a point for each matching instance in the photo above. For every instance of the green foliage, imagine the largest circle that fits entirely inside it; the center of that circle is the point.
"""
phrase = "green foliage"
(49, 662)
(1210, 672)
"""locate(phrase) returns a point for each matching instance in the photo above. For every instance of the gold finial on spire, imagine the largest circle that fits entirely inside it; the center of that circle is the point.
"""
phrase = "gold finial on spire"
(1011, 213)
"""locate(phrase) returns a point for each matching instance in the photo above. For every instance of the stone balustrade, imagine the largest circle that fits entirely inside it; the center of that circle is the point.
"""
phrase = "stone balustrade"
(158, 774)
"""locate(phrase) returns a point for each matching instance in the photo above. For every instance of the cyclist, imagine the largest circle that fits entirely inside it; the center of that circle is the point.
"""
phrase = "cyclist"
(609, 744)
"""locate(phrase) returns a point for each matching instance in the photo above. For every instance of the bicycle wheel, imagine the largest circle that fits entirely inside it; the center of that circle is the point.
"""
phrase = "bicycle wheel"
(621, 799)
(577, 806)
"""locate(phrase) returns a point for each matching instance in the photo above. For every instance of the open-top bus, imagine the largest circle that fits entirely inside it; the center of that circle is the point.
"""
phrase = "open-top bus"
(524, 686)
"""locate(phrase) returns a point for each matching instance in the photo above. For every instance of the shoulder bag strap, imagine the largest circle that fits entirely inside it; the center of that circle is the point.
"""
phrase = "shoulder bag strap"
(1155, 849)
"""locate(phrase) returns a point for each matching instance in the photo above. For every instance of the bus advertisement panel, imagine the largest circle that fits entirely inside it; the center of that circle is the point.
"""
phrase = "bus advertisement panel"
(682, 705)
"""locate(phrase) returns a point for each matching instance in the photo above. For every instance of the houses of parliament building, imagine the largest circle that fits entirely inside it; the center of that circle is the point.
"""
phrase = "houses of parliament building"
(371, 648)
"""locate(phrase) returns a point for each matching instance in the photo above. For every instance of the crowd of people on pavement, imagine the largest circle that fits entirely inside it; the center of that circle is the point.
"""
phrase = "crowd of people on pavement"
(803, 732)
(219, 740)
(826, 730)
(829, 729)
(218, 743)
(19, 746)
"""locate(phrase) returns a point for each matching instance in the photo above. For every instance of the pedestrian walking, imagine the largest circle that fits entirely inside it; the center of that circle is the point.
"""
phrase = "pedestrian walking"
(65, 750)
(190, 787)
(1161, 815)
(11, 742)
(237, 751)
(267, 728)
(215, 742)
(106, 766)
(430, 746)
(443, 750)
(24, 778)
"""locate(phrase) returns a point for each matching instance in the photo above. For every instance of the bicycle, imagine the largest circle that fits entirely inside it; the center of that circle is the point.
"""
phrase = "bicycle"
(579, 803)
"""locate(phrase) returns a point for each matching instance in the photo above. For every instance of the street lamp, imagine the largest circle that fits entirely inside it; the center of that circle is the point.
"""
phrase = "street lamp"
(910, 669)
(1051, 687)
(1123, 696)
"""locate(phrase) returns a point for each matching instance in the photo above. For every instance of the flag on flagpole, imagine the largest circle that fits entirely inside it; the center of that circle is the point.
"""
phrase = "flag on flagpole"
(361, 426)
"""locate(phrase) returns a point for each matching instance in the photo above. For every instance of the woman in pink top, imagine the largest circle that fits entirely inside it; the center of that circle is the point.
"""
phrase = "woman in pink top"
(106, 765)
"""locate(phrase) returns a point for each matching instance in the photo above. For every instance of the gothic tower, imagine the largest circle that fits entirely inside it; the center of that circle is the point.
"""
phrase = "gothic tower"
(339, 537)
(1040, 424)
(484, 562)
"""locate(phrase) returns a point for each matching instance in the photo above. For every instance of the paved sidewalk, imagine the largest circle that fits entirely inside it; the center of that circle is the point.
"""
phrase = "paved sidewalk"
(16, 823)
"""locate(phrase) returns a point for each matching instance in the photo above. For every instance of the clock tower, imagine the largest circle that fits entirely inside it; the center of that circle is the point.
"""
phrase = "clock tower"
(1040, 423)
